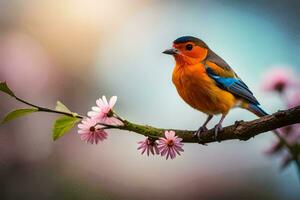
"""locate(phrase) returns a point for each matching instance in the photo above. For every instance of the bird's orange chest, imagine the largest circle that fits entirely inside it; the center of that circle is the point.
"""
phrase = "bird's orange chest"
(198, 90)
(187, 77)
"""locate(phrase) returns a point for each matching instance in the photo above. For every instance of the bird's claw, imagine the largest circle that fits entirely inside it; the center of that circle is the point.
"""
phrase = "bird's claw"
(218, 128)
(199, 132)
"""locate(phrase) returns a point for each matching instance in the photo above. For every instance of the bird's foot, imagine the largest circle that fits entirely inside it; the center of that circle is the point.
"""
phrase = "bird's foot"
(218, 128)
(199, 132)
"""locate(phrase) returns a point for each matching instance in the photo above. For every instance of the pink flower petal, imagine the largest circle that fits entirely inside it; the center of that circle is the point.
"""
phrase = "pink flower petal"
(90, 132)
(170, 146)
(147, 145)
(112, 101)
(278, 79)
(96, 109)
(102, 110)
(99, 103)
(172, 153)
(105, 103)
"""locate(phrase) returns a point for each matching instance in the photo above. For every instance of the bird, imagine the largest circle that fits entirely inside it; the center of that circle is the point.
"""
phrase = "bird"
(208, 83)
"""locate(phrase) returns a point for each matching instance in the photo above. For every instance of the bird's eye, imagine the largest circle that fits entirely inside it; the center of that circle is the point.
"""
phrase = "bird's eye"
(189, 47)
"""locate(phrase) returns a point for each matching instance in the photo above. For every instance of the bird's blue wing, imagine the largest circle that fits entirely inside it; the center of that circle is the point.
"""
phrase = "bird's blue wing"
(233, 85)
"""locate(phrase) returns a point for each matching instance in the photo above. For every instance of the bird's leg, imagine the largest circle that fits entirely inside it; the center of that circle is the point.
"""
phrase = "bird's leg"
(219, 127)
(202, 128)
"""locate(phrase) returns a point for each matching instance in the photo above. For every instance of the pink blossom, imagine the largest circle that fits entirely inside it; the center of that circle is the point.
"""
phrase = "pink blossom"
(291, 134)
(170, 145)
(149, 145)
(278, 79)
(90, 132)
(103, 111)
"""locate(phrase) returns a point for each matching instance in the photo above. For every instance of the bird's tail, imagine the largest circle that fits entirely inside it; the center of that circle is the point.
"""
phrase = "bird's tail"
(258, 111)
(255, 109)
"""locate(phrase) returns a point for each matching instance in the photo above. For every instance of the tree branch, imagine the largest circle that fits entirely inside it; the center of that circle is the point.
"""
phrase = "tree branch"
(240, 130)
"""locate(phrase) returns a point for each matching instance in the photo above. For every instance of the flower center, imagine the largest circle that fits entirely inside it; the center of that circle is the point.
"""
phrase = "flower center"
(170, 143)
(280, 86)
(92, 128)
(110, 113)
(150, 142)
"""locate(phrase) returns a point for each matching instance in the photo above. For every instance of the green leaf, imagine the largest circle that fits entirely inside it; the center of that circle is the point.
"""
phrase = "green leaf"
(18, 113)
(62, 125)
(4, 88)
(62, 108)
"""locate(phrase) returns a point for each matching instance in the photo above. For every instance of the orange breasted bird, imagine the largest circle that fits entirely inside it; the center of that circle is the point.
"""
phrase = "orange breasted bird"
(207, 83)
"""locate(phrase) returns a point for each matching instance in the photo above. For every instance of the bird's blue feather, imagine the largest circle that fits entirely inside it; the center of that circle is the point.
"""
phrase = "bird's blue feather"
(233, 85)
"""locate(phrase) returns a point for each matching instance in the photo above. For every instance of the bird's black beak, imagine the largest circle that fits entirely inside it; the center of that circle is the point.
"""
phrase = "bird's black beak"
(172, 51)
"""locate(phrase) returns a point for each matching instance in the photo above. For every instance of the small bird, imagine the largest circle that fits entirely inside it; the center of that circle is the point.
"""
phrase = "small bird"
(207, 83)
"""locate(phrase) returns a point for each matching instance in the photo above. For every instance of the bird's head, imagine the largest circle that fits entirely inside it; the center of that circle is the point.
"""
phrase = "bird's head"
(188, 50)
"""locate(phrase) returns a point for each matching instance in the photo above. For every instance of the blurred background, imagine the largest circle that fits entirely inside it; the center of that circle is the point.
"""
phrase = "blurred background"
(77, 50)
